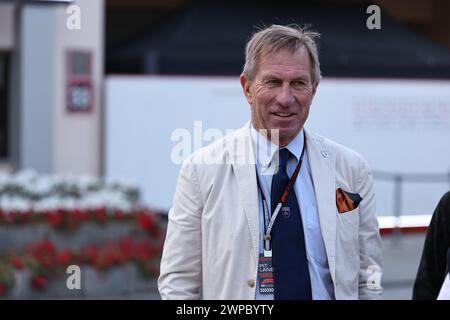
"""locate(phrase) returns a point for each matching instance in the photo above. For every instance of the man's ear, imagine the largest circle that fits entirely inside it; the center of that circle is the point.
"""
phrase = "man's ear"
(314, 87)
(245, 83)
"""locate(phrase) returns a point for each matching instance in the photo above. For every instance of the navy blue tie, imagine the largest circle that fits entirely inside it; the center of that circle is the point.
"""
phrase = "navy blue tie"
(291, 273)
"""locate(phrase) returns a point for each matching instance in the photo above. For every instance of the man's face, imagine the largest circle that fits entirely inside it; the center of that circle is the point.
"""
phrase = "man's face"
(281, 92)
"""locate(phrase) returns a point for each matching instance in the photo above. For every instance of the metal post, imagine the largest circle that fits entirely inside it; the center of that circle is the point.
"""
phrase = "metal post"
(398, 183)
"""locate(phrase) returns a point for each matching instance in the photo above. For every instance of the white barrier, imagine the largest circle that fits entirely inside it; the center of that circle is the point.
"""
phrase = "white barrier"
(399, 126)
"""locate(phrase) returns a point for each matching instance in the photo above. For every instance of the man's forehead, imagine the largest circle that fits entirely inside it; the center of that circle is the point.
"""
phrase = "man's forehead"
(278, 63)
(294, 74)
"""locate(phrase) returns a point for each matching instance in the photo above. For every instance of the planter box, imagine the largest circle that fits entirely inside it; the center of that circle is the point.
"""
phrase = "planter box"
(123, 282)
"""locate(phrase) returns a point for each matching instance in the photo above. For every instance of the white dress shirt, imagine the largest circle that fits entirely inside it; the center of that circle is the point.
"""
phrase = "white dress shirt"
(321, 283)
(444, 293)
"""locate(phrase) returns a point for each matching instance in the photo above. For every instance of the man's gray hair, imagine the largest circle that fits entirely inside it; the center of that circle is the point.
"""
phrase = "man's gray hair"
(276, 37)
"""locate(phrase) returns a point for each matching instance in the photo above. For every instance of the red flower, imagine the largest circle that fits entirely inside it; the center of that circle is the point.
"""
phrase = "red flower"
(119, 215)
(146, 221)
(9, 217)
(76, 216)
(17, 262)
(43, 252)
(48, 246)
(126, 247)
(26, 216)
(121, 257)
(126, 244)
(155, 231)
(143, 250)
(100, 214)
(105, 258)
(64, 257)
(80, 214)
(39, 282)
(89, 254)
(55, 218)
(44, 260)
(3, 289)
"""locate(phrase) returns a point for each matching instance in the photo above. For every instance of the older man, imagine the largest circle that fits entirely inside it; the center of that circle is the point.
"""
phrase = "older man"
(280, 212)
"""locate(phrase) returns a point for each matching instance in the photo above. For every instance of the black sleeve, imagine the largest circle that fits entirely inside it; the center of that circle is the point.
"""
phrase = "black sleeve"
(433, 264)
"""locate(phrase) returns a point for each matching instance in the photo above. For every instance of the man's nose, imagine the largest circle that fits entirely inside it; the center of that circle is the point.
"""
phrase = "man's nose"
(285, 96)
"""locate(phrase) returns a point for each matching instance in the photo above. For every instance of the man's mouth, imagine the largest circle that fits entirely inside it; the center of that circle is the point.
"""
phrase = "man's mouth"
(283, 114)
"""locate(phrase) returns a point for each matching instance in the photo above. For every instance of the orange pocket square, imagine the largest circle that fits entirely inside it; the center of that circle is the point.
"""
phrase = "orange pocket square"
(347, 201)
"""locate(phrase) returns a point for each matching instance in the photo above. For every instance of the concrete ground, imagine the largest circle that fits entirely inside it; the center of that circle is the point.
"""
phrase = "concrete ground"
(401, 257)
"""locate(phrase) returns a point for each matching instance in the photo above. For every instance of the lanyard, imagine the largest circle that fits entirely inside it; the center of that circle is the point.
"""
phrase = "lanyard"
(268, 224)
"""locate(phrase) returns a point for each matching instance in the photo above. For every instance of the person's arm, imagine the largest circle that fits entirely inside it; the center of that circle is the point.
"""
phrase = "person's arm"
(431, 273)
(181, 262)
(369, 238)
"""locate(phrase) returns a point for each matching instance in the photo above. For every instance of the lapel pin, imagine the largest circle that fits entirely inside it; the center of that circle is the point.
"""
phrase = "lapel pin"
(286, 212)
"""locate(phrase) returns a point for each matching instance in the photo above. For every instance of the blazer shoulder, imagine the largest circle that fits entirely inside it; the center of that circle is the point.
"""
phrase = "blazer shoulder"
(343, 155)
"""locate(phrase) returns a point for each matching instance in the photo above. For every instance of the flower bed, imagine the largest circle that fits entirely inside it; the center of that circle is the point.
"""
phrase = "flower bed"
(48, 223)
(45, 262)
(64, 219)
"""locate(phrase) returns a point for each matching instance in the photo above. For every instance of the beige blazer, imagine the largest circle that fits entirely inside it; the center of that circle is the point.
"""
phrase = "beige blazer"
(211, 247)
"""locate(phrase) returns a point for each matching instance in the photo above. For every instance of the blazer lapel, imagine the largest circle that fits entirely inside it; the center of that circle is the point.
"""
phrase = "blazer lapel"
(322, 163)
(240, 151)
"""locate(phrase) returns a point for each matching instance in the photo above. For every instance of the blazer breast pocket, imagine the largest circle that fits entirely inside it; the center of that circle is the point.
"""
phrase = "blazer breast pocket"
(348, 232)
(350, 217)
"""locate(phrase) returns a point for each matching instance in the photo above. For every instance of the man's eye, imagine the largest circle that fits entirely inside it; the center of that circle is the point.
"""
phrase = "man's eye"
(300, 83)
(273, 82)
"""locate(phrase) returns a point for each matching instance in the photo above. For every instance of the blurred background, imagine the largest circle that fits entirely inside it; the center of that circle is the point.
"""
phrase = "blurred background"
(101, 100)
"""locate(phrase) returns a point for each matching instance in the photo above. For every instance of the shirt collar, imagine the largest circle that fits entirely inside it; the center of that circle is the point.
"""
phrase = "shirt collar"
(265, 149)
